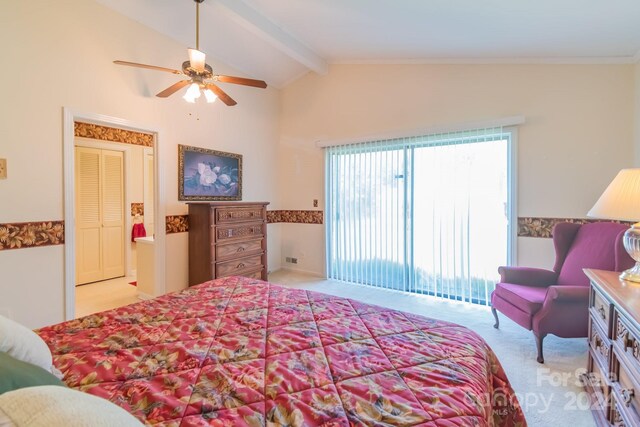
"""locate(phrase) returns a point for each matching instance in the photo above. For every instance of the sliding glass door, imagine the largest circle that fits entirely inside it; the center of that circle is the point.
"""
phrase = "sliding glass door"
(427, 215)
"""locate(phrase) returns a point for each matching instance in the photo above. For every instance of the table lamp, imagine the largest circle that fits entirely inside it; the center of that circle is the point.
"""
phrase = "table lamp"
(621, 201)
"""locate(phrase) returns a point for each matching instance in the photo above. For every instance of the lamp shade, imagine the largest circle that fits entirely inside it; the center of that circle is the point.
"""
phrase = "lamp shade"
(621, 199)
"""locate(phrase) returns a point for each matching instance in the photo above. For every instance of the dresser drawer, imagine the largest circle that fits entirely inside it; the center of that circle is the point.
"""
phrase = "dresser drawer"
(627, 339)
(601, 311)
(238, 266)
(240, 231)
(626, 391)
(600, 344)
(230, 215)
(618, 416)
(596, 384)
(238, 249)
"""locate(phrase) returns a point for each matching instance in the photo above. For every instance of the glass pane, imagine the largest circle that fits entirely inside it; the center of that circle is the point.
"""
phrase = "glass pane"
(367, 235)
(429, 219)
(461, 221)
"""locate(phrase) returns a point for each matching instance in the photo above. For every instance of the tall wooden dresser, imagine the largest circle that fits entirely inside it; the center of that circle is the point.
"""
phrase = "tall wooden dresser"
(227, 239)
(612, 380)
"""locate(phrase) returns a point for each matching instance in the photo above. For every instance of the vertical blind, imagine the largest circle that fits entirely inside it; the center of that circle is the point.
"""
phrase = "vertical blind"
(426, 214)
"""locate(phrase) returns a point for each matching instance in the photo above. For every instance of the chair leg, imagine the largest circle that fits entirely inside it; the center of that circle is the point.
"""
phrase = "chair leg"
(539, 339)
(495, 314)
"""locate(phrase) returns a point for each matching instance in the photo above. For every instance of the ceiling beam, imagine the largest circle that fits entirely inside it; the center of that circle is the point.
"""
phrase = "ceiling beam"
(260, 25)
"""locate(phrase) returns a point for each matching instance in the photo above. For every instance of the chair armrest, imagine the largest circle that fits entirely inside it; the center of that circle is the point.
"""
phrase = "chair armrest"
(564, 312)
(572, 294)
(527, 276)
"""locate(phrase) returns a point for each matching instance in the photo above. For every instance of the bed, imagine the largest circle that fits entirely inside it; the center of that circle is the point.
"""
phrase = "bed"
(243, 352)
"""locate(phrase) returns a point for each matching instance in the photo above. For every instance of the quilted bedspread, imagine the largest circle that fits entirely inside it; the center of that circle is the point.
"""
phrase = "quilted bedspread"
(242, 352)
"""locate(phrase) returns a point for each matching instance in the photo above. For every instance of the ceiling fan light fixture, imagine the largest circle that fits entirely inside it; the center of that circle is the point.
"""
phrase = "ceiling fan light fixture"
(200, 75)
(210, 96)
(193, 93)
(197, 60)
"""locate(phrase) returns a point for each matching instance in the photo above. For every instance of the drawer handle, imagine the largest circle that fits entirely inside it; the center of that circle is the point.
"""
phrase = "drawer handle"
(240, 249)
(627, 395)
(597, 341)
(627, 340)
(240, 265)
(602, 312)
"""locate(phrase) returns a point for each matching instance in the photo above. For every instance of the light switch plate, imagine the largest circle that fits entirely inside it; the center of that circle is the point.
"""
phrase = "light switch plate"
(3, 168)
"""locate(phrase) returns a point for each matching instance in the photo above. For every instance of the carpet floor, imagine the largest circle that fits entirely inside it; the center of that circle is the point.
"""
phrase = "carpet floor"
(550, 393)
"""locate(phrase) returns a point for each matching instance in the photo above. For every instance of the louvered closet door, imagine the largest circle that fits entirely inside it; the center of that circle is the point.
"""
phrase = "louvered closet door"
(88, 215)
(99, 215)
(112, 214)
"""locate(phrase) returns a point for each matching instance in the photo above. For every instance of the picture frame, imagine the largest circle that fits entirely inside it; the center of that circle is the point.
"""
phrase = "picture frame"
(208, 175)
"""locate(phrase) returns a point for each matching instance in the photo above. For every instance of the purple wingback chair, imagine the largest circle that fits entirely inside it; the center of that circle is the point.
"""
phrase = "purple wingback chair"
(556, 302)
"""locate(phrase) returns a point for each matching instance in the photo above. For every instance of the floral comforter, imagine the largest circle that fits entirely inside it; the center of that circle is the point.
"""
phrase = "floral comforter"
(242, 352)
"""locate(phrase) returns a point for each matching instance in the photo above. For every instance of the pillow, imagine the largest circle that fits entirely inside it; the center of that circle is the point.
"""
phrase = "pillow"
(48, 406)
(24, 344)
(15, 374)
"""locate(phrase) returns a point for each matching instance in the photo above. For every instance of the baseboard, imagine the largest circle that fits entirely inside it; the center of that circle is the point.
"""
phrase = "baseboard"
(143, 296)
(299, 270)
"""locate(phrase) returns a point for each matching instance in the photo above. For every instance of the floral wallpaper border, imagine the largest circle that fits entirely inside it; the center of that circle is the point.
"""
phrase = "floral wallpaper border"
(180, 223)
(542, 227)
(176, 224)
(295, 217)
(106, 133)
(137, 209)
(21, 235)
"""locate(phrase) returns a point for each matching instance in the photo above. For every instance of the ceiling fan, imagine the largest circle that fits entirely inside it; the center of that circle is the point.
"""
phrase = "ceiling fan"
(201, 77)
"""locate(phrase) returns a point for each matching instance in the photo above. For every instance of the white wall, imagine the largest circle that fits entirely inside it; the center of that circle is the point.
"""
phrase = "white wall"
(637, 114)
(578, 131)
(59, 54)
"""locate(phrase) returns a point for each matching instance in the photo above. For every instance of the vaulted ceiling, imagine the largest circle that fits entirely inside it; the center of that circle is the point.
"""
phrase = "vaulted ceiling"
(281, 40)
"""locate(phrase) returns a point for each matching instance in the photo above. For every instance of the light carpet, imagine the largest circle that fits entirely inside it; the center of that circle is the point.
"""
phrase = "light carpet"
(550, 393)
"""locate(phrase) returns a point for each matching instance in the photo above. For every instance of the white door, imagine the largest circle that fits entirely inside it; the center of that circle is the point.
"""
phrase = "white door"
(148, 192)
(99, 214)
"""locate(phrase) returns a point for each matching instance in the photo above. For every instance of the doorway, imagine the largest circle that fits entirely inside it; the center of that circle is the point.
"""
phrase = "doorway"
(152, 194)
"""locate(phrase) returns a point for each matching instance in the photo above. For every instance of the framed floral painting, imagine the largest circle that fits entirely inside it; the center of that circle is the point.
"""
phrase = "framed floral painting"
(208, 175)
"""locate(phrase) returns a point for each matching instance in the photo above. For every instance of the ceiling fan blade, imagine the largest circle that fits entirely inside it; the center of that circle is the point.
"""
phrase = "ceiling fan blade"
(221, 94)
(150, 67)
(173, 88)
(242, 81)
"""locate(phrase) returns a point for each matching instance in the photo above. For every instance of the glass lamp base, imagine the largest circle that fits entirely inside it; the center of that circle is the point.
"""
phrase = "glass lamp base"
(632, 274)
(631, 242)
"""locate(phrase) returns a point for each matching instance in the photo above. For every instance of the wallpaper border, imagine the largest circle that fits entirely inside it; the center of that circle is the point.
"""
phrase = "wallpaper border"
(295, 217)
(107, 133)
(542, 227)
(176, 224)
(22, 235)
